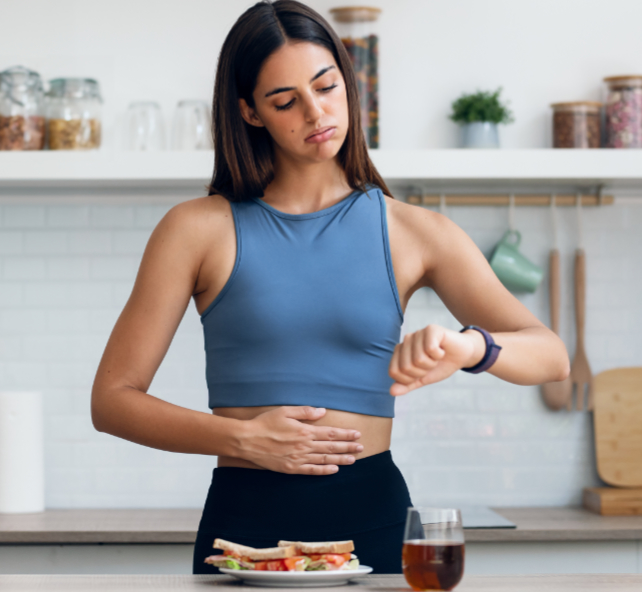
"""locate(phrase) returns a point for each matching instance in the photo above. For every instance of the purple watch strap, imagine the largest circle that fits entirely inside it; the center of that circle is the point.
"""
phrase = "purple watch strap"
(492, 351)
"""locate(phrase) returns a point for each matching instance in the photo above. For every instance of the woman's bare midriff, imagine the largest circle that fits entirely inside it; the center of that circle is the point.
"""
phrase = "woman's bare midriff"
(375, 431)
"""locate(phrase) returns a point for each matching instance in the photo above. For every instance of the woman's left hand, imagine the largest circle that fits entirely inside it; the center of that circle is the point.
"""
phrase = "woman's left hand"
(432, 354)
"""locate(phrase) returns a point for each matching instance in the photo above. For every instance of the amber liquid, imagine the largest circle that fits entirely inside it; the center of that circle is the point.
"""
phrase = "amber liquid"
(432, 565)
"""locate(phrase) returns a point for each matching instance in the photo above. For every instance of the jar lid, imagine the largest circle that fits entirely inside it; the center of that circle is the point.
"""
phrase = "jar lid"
(621, 81)
(577, 106)
(74, 88)
(20, 78)
(355, 14)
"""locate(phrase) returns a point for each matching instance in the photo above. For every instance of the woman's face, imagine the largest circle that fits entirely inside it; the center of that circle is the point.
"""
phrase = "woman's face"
(300, 89)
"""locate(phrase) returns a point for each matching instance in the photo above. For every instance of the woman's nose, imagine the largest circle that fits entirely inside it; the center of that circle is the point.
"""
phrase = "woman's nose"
(313, 108)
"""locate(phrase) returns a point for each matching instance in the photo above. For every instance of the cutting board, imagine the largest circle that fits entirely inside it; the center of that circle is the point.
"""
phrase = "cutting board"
(617, 419)
(613, 501)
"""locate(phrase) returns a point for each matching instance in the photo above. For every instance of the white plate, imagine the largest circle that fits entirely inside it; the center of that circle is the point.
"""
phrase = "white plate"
(296, 579)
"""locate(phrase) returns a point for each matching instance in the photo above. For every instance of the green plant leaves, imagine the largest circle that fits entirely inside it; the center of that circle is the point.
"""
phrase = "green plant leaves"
(480, 106)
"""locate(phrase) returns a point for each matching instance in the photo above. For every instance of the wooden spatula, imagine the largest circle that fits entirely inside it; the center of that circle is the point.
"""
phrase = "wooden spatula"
(556, 394)
(581, 375)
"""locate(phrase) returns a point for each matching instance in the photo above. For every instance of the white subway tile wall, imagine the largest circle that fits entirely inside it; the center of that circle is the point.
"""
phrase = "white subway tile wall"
(67, 270)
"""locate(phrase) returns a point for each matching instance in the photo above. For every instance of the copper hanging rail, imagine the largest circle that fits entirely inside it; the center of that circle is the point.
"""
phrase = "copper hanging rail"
(530, 199)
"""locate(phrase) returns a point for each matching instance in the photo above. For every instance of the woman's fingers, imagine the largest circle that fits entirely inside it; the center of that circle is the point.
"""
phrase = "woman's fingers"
(419, 360)
(401, 389)
(406, 373)
(334, 434)
(325, 447)
(405, 357)
(330, 459)
(434, 338)
(317, 469)
(419, 353)
(421, 357)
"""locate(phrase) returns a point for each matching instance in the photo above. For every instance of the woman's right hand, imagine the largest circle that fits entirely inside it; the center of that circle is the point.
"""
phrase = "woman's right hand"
(279, 440)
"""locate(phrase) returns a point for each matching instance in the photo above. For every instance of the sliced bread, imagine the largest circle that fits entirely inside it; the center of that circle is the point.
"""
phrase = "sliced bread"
(325, 547)
(280, 552)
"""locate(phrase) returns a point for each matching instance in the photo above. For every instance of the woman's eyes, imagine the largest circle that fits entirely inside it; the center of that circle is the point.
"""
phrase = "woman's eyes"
(288, 105)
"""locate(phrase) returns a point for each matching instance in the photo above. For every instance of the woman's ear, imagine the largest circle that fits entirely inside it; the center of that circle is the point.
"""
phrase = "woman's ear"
(249, 114)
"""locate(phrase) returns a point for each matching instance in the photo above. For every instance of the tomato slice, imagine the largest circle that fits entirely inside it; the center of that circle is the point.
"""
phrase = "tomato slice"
(291, 563)
(337, 559)
(275, 565)
(260, 565)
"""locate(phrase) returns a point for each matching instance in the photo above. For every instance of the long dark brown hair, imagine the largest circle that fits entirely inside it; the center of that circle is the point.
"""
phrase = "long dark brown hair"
(243, 153)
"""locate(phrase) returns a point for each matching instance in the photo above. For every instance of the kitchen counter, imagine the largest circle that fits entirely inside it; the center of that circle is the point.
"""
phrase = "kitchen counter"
(179, 526)
(387, 583)
(547, 540)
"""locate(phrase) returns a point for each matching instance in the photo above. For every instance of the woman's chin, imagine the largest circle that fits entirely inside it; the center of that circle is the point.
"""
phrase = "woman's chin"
(323, 152)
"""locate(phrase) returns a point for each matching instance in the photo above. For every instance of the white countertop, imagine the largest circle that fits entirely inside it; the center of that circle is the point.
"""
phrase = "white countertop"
(387, 583)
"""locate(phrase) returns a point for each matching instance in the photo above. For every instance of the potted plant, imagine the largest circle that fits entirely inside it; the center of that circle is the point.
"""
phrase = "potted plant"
(479, 114)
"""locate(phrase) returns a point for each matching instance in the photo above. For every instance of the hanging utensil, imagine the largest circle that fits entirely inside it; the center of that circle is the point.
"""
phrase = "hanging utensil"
(556, 394)
(581, 375)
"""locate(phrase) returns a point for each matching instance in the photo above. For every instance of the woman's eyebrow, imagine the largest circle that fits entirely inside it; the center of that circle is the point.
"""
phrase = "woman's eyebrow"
(286, 88)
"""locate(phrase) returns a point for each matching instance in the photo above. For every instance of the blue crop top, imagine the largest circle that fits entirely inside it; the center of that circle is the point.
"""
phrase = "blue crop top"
(310, 314)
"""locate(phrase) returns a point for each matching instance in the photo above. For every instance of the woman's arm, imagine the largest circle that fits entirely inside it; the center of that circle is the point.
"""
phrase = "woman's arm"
(463, 279)
(139, 341)
(120, 404)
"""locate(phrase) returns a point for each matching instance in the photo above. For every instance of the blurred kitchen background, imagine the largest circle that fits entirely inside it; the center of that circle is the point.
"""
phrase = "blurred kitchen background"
(69, 256)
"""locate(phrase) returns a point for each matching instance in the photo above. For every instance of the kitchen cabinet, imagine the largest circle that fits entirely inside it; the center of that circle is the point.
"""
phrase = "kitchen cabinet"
(548, 540)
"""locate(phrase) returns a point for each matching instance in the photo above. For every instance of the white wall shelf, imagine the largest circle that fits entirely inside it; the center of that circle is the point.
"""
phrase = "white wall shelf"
(618, 170)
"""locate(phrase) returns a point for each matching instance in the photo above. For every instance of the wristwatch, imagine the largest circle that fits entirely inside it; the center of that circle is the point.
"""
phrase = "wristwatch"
(492, 351)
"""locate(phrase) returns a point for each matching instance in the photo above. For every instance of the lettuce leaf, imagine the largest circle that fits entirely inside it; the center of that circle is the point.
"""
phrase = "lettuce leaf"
(352, 564)
(317, 566)
(230, 563)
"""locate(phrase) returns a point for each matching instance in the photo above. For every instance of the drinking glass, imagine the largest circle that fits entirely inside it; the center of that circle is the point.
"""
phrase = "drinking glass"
(145, 127)
(192, 126)
(433, 548)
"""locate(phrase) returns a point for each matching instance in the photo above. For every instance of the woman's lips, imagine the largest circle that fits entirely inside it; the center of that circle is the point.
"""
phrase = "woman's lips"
(318, 138)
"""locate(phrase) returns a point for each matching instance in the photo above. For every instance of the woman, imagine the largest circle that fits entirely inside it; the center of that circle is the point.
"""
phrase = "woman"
(301, 264)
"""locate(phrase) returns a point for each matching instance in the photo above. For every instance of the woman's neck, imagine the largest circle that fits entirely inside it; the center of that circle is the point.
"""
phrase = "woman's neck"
(300, 190)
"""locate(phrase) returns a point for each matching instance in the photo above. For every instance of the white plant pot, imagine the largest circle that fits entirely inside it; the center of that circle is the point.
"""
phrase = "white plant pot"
(480, 134)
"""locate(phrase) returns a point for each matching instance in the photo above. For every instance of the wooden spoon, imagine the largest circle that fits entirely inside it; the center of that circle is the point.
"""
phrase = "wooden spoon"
(556, 394)
(580, 370)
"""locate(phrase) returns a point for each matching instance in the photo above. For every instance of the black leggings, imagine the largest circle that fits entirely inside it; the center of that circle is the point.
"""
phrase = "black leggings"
(365, 502)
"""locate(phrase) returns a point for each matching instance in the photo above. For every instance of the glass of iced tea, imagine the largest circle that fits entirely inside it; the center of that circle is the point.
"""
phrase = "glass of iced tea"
(433, 548)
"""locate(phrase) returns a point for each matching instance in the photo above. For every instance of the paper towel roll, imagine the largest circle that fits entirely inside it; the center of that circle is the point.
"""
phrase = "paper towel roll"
(22, 466)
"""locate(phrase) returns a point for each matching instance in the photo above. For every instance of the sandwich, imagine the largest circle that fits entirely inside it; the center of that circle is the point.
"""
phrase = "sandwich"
(287, 556)
(327, 555)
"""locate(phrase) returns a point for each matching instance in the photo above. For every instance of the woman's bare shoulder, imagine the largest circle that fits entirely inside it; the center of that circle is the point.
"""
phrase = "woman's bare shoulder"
(430, 233)
(195, 214)
(425, 225)
(197, 222)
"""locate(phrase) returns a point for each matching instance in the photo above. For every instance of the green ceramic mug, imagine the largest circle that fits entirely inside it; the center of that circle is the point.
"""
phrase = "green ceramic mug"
(516, 272)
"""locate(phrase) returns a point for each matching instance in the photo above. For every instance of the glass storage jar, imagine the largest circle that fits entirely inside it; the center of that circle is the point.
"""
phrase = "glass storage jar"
(358, 29)
(623, 112)
(22, 117)
(73, 114)
(576, 124)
